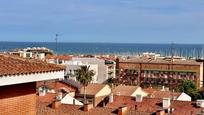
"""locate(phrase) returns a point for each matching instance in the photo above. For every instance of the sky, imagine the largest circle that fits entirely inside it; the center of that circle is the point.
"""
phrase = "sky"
(120, 21)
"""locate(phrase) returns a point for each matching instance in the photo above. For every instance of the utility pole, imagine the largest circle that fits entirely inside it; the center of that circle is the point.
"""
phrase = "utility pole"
(172, 55)
(56, 40)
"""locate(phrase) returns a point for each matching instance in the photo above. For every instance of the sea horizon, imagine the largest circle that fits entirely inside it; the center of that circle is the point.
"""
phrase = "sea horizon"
(164, 43)
(165, 49)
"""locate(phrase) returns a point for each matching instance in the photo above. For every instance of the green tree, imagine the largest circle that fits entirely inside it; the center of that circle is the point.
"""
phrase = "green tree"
(84, 76)
(189, 88)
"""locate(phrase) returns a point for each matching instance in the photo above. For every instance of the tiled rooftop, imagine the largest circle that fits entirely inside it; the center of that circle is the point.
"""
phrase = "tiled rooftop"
(60, 57)
(165, 94)
(149, 90)
(13, 65)
(154, 104)
(43, 109)
(73, 83)
(57, 85)
(48, 98)
(160, 93)
(124, 90)
(160, 60)
(185, 108)
(92, 89)
(148, 105)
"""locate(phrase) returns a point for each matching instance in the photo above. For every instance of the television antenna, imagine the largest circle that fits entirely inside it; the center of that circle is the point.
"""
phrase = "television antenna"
(56, 42)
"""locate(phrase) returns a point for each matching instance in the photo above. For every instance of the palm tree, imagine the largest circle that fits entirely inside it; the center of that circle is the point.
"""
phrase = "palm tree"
(84, 76)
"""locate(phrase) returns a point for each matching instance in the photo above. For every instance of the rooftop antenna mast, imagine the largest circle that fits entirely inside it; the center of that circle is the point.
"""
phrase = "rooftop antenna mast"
(172, 54)
(56, 42)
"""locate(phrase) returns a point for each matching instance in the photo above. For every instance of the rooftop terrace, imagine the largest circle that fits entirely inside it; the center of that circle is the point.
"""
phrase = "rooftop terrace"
(160, 60)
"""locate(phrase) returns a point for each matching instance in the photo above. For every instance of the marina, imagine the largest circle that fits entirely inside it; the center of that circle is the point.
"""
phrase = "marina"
(195, 51)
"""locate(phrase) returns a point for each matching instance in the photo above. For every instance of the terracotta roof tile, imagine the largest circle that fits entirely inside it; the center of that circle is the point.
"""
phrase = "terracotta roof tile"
(44, 109)
(154, 104)
(146, 107)
(124, 90)
(13, 65)
(60, 57)
(185, 108)
(158, 60)
(49, 97)
(165, 94)
(73, 83)
(161, 94)
(92, 89)
(57, 85)
(149, 90)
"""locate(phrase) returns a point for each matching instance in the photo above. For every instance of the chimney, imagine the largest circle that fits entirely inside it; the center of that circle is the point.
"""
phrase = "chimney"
(122, 110)
(42, 92)
(111, 98)
(118, 93)
(166, 102)
(87, 107)
(163, 88)
(59, 96)
(175, 97)
(138, 98)
(56, 104)
(136, 107)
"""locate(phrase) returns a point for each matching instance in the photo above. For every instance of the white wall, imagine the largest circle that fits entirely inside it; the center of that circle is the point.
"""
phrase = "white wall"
(184, 97)
(139, 91)
(17, 79)
(72, 67)
(69, 100)
(102, 71)
(98, 65)
(104, 92)
(41, 56)
(94, 67)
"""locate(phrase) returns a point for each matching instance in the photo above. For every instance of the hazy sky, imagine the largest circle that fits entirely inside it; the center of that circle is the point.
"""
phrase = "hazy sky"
(131, 21)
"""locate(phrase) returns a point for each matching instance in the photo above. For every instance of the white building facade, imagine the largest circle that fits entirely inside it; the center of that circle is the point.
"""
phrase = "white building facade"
(102, 70)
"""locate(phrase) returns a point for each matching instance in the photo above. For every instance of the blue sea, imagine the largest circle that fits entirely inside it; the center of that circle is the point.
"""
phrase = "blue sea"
(185, 50)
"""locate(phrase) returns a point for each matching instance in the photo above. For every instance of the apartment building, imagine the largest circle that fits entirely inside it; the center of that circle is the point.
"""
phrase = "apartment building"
(34, 52)
(103, 69)
(160, 71)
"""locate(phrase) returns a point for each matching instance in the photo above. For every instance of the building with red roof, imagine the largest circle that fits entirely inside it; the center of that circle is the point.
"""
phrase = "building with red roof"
(58, 59)
(18, 77)
(159, 71)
